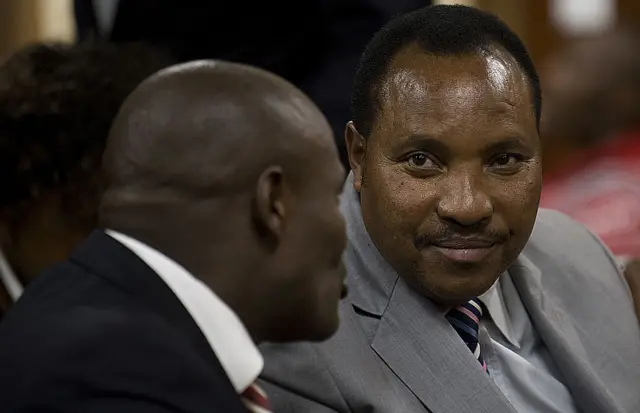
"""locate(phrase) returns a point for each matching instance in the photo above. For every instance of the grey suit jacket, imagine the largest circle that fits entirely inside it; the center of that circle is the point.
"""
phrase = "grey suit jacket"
(395, 352)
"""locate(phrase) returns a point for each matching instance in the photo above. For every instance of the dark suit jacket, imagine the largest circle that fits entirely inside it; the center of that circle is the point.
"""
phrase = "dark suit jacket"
(5, 299)
(102, 332)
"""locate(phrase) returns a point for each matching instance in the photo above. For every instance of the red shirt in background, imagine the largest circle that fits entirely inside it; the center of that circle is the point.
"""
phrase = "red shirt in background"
(601, 189)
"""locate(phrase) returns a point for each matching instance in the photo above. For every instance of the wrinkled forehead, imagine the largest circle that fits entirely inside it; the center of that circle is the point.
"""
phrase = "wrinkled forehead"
(424, 85)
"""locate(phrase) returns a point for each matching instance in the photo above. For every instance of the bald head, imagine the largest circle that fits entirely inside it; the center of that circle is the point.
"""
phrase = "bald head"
(208, 127)
(226, 168)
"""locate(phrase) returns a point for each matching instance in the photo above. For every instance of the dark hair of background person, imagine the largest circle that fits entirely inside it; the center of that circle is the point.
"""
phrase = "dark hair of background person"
(441, 31)
(57, 103)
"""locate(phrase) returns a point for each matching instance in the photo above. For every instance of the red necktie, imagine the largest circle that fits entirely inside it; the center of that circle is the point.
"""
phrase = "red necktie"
(255, 399)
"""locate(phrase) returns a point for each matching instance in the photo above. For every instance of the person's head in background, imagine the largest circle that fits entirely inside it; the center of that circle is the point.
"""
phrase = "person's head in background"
(233, 173)
(56, 106)
(591, 93)
(444, 148)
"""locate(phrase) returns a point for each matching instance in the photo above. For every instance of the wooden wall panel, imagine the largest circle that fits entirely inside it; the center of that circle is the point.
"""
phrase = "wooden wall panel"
(27, 21)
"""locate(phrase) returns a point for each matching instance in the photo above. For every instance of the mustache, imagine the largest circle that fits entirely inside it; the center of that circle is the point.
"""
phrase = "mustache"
(454, 238)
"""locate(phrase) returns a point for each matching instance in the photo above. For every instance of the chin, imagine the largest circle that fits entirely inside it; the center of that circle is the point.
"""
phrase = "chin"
(451, 290)
(448, 298)
(322, 335)
(324, 329)
(319, 331)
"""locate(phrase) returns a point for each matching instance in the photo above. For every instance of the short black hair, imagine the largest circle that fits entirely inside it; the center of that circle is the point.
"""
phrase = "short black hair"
(57, 103)
(442, 30)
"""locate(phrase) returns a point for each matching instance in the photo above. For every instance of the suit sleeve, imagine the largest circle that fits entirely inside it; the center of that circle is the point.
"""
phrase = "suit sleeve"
(297, 380)
(97, 361)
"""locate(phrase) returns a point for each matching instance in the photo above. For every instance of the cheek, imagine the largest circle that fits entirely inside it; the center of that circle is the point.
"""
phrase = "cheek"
(325, 222)
(518, 202)
(395, 200)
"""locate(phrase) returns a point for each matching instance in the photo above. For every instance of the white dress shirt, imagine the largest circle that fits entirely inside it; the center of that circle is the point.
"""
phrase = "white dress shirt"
(222, 328)
(518, 360)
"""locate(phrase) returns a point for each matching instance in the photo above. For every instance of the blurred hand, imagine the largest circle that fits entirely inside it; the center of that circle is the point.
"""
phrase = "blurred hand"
(632, 274)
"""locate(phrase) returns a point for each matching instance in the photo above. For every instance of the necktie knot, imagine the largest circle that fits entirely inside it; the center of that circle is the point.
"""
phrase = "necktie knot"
(465, 320)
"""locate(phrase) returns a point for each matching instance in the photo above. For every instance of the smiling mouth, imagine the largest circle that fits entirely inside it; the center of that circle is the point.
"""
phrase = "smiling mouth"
(465, 255)
(465, 250)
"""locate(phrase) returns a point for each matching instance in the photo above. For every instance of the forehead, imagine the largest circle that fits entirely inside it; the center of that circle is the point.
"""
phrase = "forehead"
(479, 90)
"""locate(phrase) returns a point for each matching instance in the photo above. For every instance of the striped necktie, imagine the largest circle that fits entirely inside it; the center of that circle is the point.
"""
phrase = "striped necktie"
(465, 319)
(255, 399)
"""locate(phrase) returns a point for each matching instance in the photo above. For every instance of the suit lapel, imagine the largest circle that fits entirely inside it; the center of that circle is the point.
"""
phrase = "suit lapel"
(561, 337)
(418, 344)
(412, 337)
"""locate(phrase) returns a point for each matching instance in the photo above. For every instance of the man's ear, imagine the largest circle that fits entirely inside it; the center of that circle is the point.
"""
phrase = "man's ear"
(356, 148)
(269, 204)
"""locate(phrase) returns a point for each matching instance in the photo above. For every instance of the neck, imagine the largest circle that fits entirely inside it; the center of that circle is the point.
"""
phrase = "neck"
(231, 275)
(246, 306)
(225, 264)
(229, 272)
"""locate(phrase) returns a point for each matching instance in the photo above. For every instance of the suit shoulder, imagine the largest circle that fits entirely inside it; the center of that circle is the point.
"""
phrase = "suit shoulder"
(550, 222)
(555, 231)
(83, 330)
(299, 369)
(563, 242)
(93, 350)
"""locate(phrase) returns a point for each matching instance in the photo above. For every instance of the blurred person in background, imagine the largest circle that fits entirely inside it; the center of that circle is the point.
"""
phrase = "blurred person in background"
(56, 105)
(314, 44)
(591, 136)
(591, 140)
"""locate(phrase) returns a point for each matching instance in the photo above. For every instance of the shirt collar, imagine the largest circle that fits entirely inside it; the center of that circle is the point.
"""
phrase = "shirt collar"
(493, 300)
(225, 333)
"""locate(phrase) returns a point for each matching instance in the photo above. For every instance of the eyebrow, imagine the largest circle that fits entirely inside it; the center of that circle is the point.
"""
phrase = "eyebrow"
(438, 147)
(505, 145)
(426, 142)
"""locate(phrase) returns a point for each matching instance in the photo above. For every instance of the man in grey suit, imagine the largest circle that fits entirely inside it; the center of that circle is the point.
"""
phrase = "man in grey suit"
(463, 296)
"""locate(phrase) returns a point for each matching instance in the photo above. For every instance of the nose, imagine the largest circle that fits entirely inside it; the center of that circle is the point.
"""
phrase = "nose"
(465, 203)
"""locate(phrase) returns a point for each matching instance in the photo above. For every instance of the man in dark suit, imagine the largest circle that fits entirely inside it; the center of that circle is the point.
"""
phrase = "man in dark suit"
(220, 229)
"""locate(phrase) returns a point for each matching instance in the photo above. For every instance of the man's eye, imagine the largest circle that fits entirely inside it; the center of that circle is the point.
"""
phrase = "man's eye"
(420, 160)
(506, 160)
